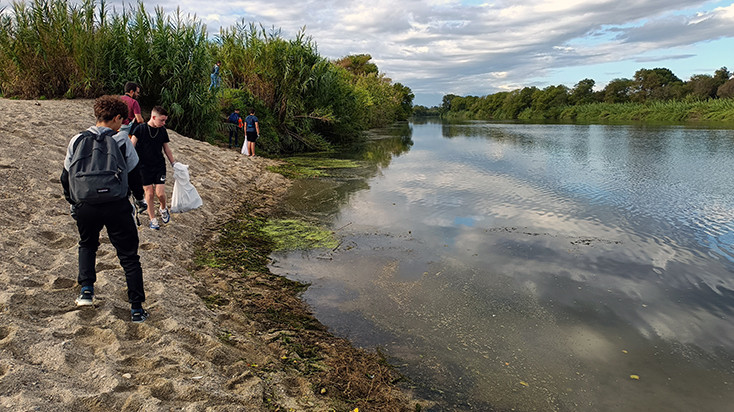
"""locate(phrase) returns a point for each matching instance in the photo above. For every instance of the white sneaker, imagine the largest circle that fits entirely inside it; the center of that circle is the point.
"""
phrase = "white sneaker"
(154, 224)
(165, 216)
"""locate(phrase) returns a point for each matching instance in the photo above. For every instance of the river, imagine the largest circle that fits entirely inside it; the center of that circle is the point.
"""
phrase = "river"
(533, 267)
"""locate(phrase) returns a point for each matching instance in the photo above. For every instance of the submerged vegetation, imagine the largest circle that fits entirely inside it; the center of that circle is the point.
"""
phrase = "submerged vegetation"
(59, 48)
(290, 234)
(304, 167)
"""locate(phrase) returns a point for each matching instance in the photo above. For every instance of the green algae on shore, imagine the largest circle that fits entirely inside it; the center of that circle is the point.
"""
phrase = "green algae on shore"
(306, 167)
(290, 234)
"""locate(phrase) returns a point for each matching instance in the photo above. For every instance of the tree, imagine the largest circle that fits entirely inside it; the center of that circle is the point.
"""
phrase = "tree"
(358, 64)
(722, 75)
(516, 101)
(618, 91)
(406, 100)
(548, 102)
(582, 92)
(726, 90)
(446, 102)
(656, 84)
(702, 86)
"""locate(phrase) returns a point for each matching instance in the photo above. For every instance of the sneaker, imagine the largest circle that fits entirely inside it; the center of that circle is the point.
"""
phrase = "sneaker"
(141, 206)
(165, 216)
(154, 224)
(86, 298)
(139, 315)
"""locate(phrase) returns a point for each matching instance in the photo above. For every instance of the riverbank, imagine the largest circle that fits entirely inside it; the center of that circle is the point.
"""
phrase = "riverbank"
(714, 112)
(219, 337)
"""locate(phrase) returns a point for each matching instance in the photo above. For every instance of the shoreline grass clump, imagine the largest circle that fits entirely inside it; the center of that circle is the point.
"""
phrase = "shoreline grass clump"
(291, 234)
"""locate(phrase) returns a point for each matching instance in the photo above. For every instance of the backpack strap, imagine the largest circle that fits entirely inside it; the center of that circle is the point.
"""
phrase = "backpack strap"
(87, 134)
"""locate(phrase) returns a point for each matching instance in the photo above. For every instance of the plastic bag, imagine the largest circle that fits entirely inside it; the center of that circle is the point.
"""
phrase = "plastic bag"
(185, 197)
(245, 151)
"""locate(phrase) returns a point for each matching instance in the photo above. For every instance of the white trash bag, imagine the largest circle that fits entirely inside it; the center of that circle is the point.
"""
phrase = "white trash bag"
(185, 197)
(245, 151)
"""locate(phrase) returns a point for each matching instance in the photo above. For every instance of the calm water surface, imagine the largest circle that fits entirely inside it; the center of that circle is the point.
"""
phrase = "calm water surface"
(534, 267)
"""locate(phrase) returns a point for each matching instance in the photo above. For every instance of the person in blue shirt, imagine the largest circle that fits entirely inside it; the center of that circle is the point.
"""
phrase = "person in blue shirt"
(252, 131)
(215, 76)
(235, 122)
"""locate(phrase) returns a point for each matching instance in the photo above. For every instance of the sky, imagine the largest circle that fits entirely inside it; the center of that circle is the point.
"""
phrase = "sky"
(476, 47)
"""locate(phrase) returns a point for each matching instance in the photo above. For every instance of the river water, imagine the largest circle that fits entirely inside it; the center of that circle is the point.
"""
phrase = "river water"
(533, 267)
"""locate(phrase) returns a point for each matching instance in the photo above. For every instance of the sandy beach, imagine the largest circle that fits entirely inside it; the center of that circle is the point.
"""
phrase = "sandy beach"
(189, 355)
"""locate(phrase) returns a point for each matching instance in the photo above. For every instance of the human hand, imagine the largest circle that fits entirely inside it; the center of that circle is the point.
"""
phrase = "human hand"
(72, 210)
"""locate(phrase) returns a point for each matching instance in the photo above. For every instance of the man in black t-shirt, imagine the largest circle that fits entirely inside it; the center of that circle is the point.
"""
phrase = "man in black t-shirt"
(151, 142)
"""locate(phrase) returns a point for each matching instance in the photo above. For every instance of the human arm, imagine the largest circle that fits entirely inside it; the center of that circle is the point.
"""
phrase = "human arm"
(137, 112)
(257, 128)
(169, 153)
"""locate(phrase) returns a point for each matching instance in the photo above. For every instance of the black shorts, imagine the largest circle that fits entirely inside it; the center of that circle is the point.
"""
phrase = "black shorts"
(153, 175)
(252, 137)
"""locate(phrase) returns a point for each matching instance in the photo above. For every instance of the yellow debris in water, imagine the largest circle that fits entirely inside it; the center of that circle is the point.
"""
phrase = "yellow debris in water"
(523, 383)
(635, 377)
(624, 351)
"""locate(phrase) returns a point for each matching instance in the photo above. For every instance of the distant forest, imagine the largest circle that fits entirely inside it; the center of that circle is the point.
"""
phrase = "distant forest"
(653, 94)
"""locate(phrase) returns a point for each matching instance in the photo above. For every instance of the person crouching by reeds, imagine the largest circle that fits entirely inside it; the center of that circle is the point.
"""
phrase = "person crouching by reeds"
(95, 183)
(151, 141)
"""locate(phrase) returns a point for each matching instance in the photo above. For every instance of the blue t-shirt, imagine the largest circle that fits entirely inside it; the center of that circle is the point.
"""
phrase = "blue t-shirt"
(250, 121)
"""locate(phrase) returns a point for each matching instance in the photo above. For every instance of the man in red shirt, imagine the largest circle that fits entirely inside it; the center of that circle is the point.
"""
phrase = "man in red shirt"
(132, 92)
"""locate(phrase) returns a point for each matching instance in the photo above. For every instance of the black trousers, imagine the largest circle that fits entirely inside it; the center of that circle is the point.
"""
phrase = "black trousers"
(118, 218)
(135, 181)
(234, 130)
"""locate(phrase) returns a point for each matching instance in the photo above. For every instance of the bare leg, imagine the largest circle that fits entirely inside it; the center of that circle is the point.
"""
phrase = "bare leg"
(160, 192)
(251, 148)
(149, 197)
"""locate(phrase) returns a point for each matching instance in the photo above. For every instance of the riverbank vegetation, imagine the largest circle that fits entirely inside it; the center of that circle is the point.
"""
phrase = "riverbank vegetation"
(60, 49)
(651, 95)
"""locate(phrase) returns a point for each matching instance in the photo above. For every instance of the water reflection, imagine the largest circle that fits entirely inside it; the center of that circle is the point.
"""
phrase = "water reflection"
(536, 267)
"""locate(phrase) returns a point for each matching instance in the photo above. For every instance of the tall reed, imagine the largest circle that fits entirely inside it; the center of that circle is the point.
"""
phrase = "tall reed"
(55, 48)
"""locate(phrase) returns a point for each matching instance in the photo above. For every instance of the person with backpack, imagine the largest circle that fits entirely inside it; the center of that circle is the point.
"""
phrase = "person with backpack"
(252, 132)
(95, 183)
(235, 123)
(151, 142)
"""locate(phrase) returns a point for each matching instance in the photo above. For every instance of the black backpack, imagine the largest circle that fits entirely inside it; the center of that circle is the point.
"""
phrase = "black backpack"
(98, 170)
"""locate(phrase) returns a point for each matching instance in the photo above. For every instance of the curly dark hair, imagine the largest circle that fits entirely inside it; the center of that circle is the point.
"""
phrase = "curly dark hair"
(107, 107)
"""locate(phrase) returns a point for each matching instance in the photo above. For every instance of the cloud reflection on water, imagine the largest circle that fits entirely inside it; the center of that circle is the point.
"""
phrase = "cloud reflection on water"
(575, 251)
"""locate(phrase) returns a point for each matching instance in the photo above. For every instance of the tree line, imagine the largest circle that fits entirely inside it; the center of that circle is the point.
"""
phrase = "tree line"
(59, 49)
(658, 87)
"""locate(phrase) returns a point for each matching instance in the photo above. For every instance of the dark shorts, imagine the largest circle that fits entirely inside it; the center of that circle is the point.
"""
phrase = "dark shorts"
(252, 137)
(153, 175)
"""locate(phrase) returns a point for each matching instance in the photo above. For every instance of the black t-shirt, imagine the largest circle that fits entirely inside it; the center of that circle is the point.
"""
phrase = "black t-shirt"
(150, 145)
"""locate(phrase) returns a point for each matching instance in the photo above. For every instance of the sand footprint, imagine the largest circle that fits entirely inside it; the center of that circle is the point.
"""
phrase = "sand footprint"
(56, 240)
(148, 246)
(62, 283)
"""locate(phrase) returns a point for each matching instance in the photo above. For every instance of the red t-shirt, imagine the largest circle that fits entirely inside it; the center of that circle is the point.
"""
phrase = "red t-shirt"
(133, 108)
